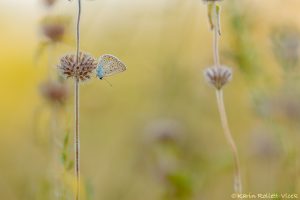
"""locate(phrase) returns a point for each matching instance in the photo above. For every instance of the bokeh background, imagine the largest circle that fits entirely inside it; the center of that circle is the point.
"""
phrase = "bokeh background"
(155, 134)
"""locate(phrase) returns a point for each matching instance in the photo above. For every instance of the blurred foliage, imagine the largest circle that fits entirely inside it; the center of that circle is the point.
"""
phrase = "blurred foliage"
(242, 49)
(286, 44)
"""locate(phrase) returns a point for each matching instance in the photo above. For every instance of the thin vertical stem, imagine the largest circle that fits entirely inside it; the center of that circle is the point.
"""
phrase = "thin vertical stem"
(78, 31)
(216, 37)
(216, 47)
(77, 138)
(227, 132)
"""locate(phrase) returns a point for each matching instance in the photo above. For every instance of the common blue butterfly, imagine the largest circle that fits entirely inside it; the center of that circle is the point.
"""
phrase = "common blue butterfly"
(109, 65)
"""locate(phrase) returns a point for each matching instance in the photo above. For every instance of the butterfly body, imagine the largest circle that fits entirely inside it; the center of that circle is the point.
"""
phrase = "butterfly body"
(99, 72)
(109, 65)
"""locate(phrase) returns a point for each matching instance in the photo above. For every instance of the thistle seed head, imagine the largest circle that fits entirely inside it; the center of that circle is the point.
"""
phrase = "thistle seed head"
(82, 71)
(218, 76)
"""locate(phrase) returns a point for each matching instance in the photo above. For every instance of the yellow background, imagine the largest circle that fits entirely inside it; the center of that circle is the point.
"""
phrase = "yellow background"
(165, 44)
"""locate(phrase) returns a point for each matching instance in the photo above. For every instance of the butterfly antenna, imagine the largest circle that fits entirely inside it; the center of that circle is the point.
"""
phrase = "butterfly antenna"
(108, 82)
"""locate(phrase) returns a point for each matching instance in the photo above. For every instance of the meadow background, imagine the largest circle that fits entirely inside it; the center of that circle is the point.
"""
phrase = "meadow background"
(156, 133)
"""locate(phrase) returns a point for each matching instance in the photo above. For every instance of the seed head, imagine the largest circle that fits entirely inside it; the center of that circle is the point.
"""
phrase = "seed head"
(54, 91)
(218, 76)
(82, 71)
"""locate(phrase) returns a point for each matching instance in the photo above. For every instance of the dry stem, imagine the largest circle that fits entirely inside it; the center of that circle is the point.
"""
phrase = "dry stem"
(77, 138)
(221, 106)
(227, 132)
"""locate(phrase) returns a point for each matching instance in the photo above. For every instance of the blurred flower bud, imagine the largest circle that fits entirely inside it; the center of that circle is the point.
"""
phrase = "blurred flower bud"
(54, 28)
(54, 32)
(164, 131)
(49, 3)
(54, 92)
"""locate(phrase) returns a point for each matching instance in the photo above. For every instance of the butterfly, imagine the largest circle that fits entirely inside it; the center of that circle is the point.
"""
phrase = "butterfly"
(109, 65)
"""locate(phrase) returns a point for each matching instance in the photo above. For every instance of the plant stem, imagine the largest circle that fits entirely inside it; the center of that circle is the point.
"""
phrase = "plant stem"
(216, 48)
(227, 132)
(78, 31)
(216, 38)
(219, 94)
(77, 138)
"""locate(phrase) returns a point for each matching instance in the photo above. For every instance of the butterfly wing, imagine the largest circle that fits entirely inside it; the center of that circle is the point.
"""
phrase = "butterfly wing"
(111, 65)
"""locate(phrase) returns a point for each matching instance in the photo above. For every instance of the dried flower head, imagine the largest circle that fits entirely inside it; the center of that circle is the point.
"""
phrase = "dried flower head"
(54, 92)
(49, 2)
(82, 71)
(54, 28)
(218, 76)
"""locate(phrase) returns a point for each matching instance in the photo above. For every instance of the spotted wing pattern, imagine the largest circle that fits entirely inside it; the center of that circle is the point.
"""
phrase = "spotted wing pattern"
(111, 65)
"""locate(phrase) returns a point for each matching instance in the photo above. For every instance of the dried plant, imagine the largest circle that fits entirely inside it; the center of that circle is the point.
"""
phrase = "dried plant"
(219, 76)
(80, 67)
(77, 141)
(55, 91)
